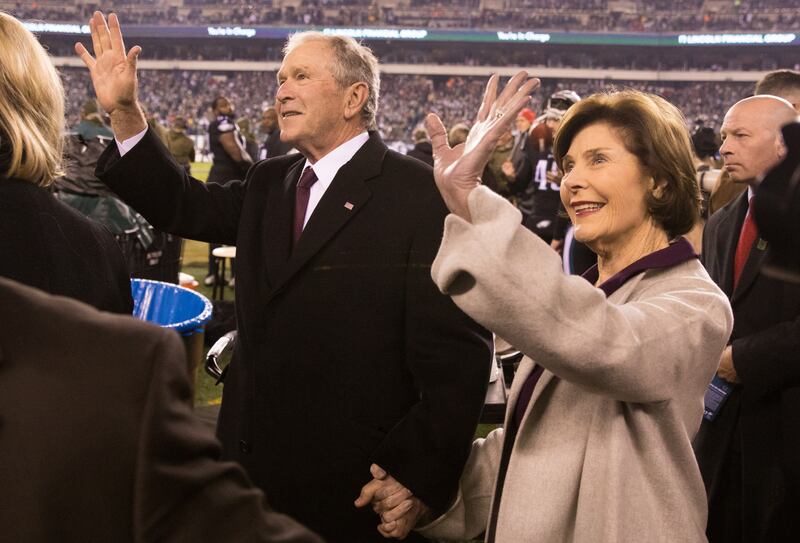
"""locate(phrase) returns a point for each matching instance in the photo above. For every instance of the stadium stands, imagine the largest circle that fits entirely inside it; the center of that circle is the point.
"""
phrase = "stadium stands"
(585, 15)
(427, 80)
(405, 99)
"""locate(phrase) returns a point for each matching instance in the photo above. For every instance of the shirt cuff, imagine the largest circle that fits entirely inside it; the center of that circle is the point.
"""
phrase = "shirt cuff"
(130, 143)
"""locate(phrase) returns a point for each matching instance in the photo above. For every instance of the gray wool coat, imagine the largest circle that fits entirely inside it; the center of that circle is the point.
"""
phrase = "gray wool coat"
(603, 451)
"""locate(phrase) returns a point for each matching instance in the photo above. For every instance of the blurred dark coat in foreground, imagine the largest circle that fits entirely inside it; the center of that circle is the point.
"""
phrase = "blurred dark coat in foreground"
(98, 439)
(48, 245)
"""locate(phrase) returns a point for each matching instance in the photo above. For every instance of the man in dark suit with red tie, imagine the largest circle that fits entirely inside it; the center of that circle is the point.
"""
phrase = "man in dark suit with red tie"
(744, 460)
(347, 353)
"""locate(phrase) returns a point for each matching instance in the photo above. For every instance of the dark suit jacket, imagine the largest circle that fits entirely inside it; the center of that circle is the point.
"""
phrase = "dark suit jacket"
(758, 426)
(274, 146)
(423, 151)
(98, 440)
(347, 353)
(48, 245)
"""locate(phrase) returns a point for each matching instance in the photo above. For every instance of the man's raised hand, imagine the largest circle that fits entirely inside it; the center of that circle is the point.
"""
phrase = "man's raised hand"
(113, 73)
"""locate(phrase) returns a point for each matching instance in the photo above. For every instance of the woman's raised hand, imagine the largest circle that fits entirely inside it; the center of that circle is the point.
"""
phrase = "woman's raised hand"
(458, 170)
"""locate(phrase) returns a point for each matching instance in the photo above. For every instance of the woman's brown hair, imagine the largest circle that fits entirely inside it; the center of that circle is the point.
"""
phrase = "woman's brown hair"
(655, 132)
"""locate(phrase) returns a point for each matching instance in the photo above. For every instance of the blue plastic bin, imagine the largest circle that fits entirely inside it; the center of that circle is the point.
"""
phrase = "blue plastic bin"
(170, 306)
(178, 308)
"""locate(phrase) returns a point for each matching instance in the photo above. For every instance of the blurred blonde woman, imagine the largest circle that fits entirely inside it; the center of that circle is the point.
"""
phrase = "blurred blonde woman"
(44, 243)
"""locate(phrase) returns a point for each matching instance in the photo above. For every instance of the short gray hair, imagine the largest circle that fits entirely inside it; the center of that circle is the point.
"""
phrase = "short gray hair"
(353, 63)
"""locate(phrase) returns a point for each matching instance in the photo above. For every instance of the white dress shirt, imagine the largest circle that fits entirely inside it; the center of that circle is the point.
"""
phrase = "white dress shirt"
(128, 144)
(325, 168)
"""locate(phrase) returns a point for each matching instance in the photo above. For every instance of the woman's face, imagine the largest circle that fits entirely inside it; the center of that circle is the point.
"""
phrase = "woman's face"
(603, 189)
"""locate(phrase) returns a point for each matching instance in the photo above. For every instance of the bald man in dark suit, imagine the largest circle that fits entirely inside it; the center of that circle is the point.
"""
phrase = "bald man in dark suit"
(746, 454)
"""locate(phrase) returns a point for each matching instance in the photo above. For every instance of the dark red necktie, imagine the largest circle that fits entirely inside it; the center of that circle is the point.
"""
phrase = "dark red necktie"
(301, 196)
(746, 239)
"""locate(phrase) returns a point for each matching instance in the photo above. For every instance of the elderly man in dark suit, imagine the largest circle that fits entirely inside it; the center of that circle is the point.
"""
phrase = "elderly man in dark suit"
(98, 439)
(348, 355)
(743, 453)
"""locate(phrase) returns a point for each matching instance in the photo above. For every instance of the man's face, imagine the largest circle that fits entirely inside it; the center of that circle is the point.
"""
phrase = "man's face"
(269, 120)
(522, 124)
(223, 107)
(553, 123)
(309, 103)
(751, 142)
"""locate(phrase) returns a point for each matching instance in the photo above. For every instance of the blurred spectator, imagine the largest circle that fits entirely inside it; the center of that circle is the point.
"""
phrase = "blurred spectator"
(231, 160)
(538, 183)
(705, 145)
(422, 151)
(783, 83)
(518, 161)
(153, 120)
(92, 124)
(272, 146)
(458, 134)
(493, 175)
(180, 145)
(250, 142)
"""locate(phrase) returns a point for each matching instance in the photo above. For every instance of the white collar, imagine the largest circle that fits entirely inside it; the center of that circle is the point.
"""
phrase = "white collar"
(328, 166)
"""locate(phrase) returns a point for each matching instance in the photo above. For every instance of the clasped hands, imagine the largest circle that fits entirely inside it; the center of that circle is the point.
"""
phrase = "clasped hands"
(398, 508)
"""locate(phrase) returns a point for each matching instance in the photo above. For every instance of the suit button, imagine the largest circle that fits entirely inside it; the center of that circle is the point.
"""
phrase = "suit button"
(244, 446)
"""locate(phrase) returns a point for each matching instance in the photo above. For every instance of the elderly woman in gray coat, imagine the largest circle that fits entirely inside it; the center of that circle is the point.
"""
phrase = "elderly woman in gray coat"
(596, 441)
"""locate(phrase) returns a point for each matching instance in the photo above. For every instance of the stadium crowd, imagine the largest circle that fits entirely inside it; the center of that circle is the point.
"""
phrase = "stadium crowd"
(573, 15)
(550, 56)
(406, 99)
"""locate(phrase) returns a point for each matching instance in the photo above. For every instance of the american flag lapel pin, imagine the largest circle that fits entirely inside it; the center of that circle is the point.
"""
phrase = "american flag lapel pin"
(348, 206)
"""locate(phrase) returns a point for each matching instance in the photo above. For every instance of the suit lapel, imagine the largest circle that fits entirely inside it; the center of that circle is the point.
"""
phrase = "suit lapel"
(343, 200)
(279, 210)
(751, 268)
